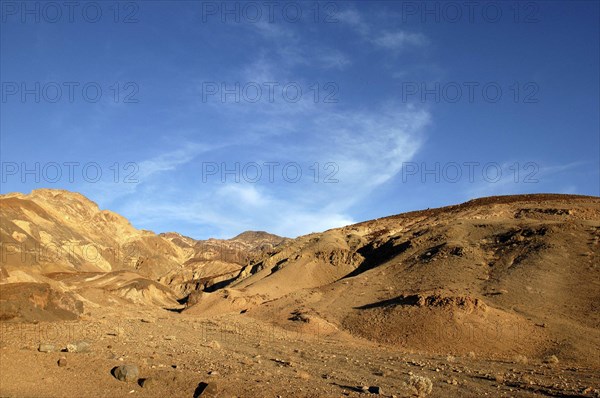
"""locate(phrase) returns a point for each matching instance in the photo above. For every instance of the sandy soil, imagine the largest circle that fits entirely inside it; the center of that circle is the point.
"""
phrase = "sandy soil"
(245, 357)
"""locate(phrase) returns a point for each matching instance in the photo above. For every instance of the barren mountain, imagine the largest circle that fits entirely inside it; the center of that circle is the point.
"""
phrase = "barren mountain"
(61, 243)
(214, 262)
(60, 231)
(499, 276)
(497, 296)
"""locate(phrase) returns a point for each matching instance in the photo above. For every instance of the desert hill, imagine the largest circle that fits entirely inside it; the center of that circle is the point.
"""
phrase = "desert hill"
(501, 275)
(67, 245)
(60, 231)
(497, 296)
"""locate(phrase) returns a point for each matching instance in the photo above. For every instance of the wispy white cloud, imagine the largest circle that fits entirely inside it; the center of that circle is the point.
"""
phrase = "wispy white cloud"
(231, 209)
(355, 20)
(142, 173)
(364, 150)
(245, 196)
(169, 161)
(291, 50)
(359, 148)
(394, 40)
(332, 59)
(400, 40)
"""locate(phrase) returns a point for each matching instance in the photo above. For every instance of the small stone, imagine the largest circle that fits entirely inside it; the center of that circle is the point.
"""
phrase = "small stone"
(118, 332)
(62, 362)
(146, 320)
(208, 389)
(170, 337)
(303, 375)
(551, 359)
(44, 347)
(147, 382)
(375, 390)
(78, 346)
(213, 373)
(127, 373)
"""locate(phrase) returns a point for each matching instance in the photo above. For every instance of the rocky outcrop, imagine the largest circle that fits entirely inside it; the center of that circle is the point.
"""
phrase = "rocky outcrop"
(37, 302)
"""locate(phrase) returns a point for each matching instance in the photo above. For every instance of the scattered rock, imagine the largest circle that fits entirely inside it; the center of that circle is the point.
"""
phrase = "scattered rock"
(147, 382)
(126, 373)
(526, 379)
(207, 390)
(281, 362)
(170, 337)
(592, 391)
(62, 362)
(78, 346)
(552, 359)
(522, 359)
(421, 386)
(45, 347)
(374, 390)
(303, 375)
(214, 344)
(146, 320)
(119, 332)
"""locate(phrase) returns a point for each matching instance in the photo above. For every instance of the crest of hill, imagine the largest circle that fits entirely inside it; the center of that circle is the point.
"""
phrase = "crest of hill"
(253, 237)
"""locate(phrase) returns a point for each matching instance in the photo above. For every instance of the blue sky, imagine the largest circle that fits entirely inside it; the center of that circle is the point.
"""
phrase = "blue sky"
(199, 117)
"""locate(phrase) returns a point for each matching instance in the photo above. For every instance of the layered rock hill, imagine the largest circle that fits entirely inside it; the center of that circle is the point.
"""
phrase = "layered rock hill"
(214, 262)
(61, 243)
(60, 231)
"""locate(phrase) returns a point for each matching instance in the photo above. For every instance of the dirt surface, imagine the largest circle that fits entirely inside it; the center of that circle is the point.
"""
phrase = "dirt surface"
(245, 357)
